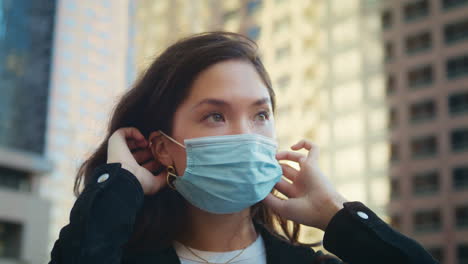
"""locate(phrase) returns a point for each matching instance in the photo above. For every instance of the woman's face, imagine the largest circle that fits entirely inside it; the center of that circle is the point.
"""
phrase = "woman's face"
(225, 99)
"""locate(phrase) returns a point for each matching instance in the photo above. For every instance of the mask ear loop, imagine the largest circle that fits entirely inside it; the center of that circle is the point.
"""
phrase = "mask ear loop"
(171, 172)
(171, 176)
(171, 139)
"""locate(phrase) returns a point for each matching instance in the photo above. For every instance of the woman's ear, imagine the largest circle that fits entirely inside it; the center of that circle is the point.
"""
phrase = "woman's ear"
(158, 145)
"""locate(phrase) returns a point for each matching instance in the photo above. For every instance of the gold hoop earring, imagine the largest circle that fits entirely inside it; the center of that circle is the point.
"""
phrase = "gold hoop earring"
(171, 176)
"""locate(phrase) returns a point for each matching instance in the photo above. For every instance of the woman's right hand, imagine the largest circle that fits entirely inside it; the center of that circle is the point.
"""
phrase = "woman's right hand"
(312, 199)
(130, 148)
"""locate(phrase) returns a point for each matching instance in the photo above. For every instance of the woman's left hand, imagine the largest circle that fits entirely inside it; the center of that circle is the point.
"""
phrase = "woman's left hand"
(312, 199)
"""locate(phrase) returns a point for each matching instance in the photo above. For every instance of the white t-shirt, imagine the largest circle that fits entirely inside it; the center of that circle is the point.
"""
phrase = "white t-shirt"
(253, 254)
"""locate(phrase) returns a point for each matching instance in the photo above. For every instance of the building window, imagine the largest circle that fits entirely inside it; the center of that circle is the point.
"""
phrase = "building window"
(422, 111)
(394, 153)
(387, 19)
(281, 24)
(437, 253)
(392, 119)
(15, 180)
(390, 85)
(10, 240)
(416, 10)
(420, 77)
(389, 52)
(26, 36)
(462, 253)
(458, 103)
(395, 222)
(459, 139)
(426, 183)
(461, 216)
(394, 188)
(231, 14)
(424, 147)
(283, 82)
(427, 221)
(253, 6)
(453, 3)
(418, 43)
(457, 67)
(460, 178)
(456, 32)
(308, 43)
(253, 33)
(310, 11)
(283, 52)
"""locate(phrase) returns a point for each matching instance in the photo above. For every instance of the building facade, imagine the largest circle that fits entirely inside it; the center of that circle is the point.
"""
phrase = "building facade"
(352, 125)
(92, 65)
(26, 33)
(63, 65)
(426, 53)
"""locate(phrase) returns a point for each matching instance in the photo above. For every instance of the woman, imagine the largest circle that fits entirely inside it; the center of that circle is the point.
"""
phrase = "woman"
(186, 171)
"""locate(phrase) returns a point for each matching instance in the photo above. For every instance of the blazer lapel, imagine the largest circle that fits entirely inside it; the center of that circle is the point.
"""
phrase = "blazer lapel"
(166, 256)
(280, 251)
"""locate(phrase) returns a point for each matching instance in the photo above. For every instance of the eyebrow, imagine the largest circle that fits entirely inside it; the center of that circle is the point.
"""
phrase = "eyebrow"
(222, 103)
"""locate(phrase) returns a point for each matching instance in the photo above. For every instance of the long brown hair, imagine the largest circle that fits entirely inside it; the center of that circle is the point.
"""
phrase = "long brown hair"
(150, 105)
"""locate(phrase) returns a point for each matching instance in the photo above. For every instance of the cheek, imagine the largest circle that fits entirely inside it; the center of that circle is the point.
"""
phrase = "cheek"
(267, 130)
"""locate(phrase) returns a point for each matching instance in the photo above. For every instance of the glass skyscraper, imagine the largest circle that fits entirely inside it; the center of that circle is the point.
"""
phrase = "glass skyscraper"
(26, 30)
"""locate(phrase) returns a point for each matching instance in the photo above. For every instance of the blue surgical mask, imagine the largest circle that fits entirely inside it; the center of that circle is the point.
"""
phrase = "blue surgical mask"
(226, 174)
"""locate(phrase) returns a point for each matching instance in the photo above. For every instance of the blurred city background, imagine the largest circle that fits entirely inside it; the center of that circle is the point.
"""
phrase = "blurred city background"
(380, 86)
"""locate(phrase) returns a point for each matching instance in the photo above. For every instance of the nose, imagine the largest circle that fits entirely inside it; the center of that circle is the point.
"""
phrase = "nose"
(242, 126)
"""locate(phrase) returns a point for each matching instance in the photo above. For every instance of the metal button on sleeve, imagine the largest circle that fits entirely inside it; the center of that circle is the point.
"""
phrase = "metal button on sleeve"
(103, 178)
(362, 215)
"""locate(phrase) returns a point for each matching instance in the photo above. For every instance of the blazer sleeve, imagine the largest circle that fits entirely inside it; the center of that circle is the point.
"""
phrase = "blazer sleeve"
(101, 220)
(357, 235)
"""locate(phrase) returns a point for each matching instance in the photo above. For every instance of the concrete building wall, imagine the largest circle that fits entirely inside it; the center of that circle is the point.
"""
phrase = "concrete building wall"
(416, 192)
(32, 214)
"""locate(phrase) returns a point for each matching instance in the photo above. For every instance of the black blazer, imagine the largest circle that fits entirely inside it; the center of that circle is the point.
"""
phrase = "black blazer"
(102, 218)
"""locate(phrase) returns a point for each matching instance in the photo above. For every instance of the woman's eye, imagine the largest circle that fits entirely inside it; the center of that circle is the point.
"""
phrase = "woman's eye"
(215, 117)
(262, 116)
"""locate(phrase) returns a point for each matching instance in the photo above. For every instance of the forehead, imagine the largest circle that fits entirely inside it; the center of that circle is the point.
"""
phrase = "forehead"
(228, 80)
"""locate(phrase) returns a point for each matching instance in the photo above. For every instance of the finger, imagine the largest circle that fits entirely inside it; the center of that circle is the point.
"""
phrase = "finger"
(308, 145)
(142, 156)
(286, 188)
(289, 155)
(302, 144)
(135, 134)
(123, 135)
(143, 143)
(136, 145)
(132, 145)
(276, 204)
(289, 172)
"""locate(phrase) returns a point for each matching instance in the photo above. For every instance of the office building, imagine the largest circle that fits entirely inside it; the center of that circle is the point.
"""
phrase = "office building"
(426, 51)
(26, 33)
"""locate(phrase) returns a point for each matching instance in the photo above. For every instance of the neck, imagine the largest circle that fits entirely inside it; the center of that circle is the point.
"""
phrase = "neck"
(218, 233)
